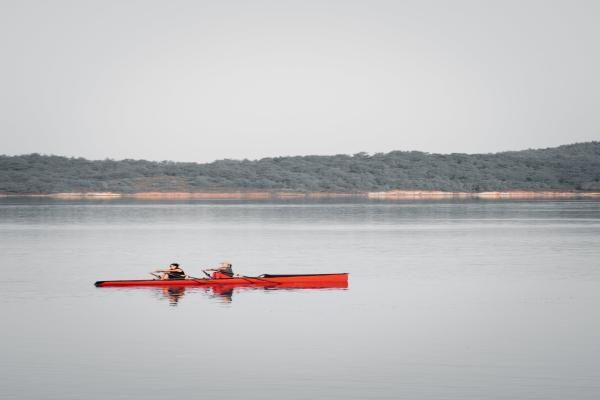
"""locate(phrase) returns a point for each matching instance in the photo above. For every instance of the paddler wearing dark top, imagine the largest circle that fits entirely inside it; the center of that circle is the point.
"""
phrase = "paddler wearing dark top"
(174, 272)
(224, 271)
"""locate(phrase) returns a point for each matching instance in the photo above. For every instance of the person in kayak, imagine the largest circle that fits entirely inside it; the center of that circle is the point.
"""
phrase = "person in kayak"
(224, 271)
(174, 272)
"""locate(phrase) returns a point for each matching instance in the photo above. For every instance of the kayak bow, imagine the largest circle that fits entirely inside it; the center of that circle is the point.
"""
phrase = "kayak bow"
(265, 280)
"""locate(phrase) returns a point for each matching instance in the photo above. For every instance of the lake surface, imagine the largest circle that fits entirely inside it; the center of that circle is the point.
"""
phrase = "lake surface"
(446, 300)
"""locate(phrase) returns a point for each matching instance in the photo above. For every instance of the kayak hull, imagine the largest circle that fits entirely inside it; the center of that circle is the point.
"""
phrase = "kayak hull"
(338, 280)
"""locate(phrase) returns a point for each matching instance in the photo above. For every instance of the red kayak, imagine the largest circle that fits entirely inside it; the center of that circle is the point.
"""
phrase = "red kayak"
(266, 280)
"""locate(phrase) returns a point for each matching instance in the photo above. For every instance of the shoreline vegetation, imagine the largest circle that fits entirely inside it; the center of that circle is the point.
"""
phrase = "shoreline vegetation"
(270, 195)
(568, 171)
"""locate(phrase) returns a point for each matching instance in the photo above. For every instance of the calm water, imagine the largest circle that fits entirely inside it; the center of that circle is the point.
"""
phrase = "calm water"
(446, 300)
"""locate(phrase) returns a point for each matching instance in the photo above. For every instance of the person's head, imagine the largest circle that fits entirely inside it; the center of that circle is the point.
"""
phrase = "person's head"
(174, 266)
(226, 264)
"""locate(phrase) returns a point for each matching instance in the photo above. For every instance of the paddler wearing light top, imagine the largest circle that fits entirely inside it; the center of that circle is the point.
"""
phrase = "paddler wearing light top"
(224, 271)
(174, 272)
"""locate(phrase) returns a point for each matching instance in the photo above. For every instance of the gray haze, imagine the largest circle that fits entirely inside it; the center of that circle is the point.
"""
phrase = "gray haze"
(197, 81)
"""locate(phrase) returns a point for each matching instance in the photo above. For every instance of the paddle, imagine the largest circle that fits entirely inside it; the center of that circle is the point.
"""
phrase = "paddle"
(241, 277)
(200, 279)
(256, 277)
(194, 278)
(244, 277)
(186, 277)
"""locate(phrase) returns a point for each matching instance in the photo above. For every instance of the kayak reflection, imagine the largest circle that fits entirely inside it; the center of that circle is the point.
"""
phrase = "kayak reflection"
(224, 293)
(174, 293)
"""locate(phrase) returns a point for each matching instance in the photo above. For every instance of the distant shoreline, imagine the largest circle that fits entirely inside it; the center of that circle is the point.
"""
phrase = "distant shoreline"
(281, 195)
(570, 171)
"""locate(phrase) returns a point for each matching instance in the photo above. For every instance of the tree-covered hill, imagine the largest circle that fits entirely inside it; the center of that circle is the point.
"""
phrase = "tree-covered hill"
(570, 167)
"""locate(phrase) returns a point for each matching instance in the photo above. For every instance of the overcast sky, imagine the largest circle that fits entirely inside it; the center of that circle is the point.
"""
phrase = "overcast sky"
(204, 80)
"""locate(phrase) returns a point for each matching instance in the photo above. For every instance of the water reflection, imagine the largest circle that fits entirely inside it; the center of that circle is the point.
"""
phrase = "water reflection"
(224, 293)
(173, 294)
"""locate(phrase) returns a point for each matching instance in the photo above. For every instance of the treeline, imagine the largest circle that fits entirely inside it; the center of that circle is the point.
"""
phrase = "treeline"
(570, 167)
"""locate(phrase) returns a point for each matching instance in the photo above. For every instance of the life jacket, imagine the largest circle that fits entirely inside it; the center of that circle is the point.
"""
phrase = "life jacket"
(220, 275)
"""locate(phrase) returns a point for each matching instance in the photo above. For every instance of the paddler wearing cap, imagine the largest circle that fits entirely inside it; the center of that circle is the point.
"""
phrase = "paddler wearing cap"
(224, 271)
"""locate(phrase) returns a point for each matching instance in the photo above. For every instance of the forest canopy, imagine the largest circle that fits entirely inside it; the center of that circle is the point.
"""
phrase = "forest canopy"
(569, 167)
